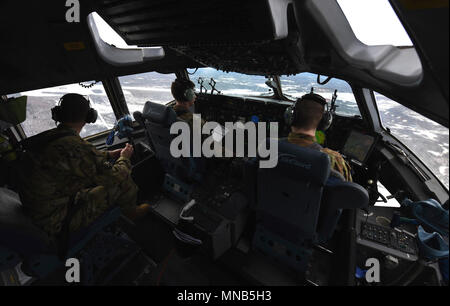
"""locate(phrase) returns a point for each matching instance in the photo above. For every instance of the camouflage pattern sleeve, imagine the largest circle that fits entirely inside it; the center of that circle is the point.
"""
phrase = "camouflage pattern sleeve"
(115, 178)
(188, 117)
(105, 154)
(72, 167)
(338, 163)
(113, 187)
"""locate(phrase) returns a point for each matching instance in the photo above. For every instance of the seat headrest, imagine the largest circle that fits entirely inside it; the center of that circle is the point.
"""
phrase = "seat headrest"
(301, 163)
(159, 113)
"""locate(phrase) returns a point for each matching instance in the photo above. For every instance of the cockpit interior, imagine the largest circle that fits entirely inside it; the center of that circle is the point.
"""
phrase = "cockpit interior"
(227, 221)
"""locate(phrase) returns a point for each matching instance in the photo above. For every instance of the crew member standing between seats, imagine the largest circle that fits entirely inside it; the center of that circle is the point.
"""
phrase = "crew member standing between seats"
(64, 173)
(306, 116)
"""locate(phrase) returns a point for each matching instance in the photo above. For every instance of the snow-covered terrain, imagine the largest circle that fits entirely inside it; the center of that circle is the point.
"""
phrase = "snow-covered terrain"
(427, 139)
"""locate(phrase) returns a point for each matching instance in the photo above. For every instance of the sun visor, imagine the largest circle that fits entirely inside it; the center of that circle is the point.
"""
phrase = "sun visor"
(119, 56)
(14, 110)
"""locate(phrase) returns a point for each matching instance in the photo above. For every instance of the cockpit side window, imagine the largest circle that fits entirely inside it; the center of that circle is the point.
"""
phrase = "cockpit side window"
(148, 86)
(41, 101)
(297, 85)
(375, 22)
(427, 139)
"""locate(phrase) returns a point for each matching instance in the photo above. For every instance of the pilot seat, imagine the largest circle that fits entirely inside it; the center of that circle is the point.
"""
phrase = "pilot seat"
(24, 244)
(182, 172)
(297, 206)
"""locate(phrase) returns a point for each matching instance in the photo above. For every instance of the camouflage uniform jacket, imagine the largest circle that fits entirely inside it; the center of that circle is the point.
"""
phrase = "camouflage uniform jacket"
(70, 168)
(337, 162)
(186, 115)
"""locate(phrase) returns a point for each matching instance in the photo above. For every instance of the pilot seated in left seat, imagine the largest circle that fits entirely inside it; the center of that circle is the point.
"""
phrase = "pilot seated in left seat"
(61, 170)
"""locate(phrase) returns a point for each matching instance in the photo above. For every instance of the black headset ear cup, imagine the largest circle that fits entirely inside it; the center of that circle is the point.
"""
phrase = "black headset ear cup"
(189, 94)
(326, 121)
(56, 113)
(91, 116)
(289, 115)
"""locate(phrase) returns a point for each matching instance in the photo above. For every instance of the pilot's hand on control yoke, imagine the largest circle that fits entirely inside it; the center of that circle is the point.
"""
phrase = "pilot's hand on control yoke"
(127, 151)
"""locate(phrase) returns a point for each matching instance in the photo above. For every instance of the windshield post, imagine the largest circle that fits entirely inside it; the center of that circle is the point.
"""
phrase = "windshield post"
(116, 97)
(273, 81)
(182, 74)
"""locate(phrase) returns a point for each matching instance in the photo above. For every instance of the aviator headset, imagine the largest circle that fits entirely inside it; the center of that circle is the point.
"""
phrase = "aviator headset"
(327, 117)
(188, 93)
(58, 111)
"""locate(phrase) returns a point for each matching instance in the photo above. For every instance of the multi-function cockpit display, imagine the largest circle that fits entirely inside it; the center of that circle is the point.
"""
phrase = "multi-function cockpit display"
(358, 146)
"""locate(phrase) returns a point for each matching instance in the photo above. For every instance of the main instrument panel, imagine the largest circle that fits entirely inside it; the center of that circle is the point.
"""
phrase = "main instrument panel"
(221, 109)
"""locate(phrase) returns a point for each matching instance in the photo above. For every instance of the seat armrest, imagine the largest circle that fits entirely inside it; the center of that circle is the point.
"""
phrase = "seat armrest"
(345, 195)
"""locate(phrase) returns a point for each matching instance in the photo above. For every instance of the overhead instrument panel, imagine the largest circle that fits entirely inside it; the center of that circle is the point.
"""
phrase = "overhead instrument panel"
(232, 35)
(164, 22)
